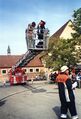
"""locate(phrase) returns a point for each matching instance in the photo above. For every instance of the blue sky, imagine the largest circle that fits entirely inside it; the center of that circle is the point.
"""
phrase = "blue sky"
(15, 15)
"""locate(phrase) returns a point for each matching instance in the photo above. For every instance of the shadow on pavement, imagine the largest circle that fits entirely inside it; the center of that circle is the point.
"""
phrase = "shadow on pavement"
(34, 90)
(2, 103)
(57, 111)
(52, 92)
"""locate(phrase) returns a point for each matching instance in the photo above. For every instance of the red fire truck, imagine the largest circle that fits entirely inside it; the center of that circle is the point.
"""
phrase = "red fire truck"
(17, 76)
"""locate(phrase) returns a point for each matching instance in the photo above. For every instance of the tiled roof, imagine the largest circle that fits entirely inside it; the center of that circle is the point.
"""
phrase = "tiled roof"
(36, 62)
(7, 61)
(59, 32)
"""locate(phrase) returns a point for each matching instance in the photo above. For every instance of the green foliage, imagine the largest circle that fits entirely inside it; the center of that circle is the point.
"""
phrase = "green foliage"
(77, 34)
(62, 53)
(77, 22)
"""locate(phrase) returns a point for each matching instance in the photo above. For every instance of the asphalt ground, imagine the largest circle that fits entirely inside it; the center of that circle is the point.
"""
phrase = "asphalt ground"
(37, 100)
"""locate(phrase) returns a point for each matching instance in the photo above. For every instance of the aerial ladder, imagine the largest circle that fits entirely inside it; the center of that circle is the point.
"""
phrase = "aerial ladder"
(17, 74)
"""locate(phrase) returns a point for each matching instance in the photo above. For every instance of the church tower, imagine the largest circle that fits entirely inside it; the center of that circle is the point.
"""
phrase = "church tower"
(8, 50)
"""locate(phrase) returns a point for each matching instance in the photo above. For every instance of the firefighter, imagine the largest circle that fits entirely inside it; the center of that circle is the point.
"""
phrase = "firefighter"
(40, 29)
(66, 94)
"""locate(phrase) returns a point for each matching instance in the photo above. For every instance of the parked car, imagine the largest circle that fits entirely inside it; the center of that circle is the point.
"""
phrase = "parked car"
(38, 78)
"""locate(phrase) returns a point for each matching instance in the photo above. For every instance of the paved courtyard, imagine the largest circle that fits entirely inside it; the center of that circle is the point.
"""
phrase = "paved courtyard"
(33, 101)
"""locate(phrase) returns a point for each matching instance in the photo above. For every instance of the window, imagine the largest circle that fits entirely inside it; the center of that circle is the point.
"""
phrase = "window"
(37, 70)
(31, 70)
(3, 71)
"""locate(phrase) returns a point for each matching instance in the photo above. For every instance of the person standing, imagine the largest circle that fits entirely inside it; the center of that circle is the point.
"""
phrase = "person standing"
(78, 77)
(40, 29)
(66, 93)
(30, 34)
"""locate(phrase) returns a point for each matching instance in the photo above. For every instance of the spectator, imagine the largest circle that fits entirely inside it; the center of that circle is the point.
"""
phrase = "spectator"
(73, 77)
(78, 77)
(53, 76)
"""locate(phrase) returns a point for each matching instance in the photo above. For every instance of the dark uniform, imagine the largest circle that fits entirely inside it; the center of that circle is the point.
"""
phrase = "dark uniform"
(66, 96)
(40, 29)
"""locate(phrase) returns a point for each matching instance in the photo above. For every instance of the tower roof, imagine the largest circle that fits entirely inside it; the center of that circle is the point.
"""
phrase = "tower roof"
(8, 50)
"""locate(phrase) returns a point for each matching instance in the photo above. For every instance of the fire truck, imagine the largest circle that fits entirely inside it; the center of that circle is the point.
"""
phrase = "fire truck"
(17, 74)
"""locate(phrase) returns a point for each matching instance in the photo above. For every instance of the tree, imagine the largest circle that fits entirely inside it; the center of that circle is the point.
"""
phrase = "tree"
(77, 35)
(62, 53)
(77, 23)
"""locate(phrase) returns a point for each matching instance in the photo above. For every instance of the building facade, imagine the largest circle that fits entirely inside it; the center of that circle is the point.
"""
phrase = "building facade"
(32, 69)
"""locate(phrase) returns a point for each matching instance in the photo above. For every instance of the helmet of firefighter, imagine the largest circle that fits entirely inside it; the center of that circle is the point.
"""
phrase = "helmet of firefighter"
(33, 24)
(64, 68)
(42, 23)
